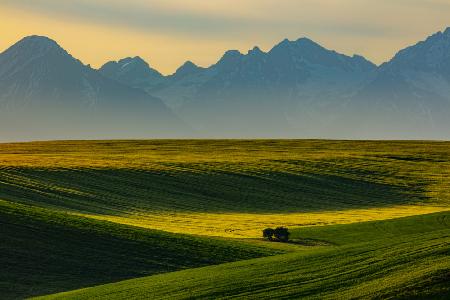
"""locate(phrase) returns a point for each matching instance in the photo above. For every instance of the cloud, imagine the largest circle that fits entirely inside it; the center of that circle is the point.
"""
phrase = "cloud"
(137, 15)
(171, 31)
(213, 19)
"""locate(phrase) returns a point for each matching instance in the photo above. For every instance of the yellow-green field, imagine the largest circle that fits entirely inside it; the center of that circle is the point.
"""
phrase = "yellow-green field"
(197, 209)
(242, 225)
(406, 258)
(231, 188)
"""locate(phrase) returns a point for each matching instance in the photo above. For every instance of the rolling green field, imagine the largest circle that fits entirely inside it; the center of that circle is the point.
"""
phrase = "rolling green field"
(407, 258)
(184, 185)
(44, 252)
(368, 219)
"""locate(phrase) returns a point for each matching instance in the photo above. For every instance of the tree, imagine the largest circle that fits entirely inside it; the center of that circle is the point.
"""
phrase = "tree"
(282, 234)
(268, 233)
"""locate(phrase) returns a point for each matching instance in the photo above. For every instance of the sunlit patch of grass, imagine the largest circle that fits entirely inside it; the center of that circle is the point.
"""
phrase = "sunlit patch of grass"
(403, 258)
(229, 188)
(44, 251)
(244, 225)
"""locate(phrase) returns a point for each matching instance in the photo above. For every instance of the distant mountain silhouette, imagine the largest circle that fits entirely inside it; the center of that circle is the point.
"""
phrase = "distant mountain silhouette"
(46, 93)
(301, 89)
(187, 69)
(297, 89)
(278, 93)
(409, 96)
(132, 71)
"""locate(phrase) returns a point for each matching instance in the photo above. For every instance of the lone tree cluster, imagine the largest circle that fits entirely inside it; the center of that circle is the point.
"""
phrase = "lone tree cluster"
(279, 234)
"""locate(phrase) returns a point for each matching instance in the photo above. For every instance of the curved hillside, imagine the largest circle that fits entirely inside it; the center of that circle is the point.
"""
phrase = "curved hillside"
(229, 188)
(44, 252)
(393, 264)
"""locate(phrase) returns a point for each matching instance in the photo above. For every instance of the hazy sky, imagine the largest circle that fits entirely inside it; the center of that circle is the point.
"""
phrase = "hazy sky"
(168, 32)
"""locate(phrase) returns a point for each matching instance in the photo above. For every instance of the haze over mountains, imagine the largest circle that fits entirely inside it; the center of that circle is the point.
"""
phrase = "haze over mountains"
(45, 93)
(298, 89)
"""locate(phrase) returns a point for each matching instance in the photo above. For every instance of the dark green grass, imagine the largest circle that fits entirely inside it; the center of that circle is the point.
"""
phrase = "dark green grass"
(44, 252)
(407, 258)
(122, 190)
(374, 230)
(260, 176)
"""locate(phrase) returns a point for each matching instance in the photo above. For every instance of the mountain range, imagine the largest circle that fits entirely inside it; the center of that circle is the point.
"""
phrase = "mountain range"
(297, 89)
(45, 93)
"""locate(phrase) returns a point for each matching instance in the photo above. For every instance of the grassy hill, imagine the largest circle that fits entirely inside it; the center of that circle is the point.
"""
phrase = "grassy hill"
(43, 251)
(186, 185)
(341, 235)
(407, 258)
(67, 209)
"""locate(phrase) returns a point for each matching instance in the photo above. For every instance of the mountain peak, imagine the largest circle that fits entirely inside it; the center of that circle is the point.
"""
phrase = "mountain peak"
(137, 60)
(255, 51)
(307, 43)
(299, 43)
(35, 45)
(38, 40)
(187, 68)
(230, 56)
(283, 44)
(33, 51)
(437, 37)
(447, 31)
(188, 65)
(128, 64)
(133, 71)
(133, 62)
(305, 40)
(431, 55)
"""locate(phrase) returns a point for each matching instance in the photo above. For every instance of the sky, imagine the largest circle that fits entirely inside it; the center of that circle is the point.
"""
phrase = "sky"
(166, 33)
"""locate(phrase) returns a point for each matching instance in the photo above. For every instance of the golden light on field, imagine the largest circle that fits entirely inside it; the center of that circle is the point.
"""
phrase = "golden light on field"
(398, 179)
(241, 225)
